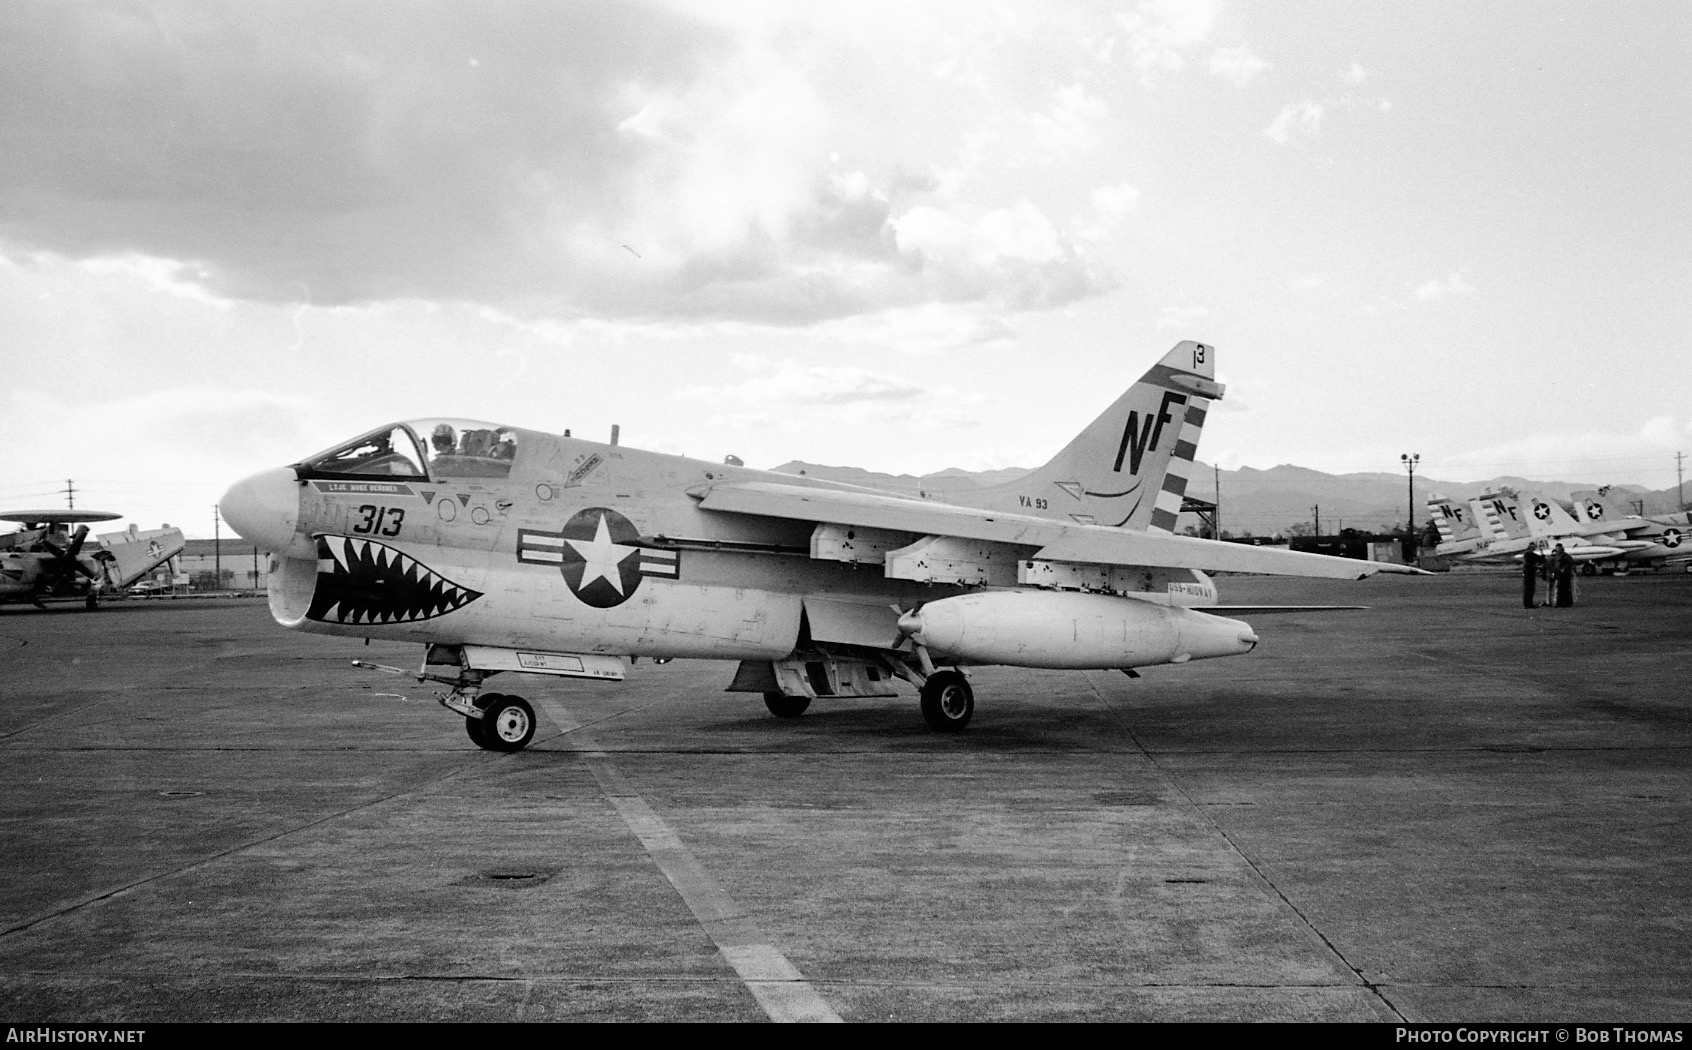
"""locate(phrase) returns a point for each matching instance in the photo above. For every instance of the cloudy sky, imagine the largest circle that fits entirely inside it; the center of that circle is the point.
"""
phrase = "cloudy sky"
(901, 236)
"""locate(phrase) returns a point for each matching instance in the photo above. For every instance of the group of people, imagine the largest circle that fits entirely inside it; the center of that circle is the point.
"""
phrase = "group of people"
(1558, 571)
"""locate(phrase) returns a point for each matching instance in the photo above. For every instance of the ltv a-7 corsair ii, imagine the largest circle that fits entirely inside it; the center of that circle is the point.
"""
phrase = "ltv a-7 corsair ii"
(509, 550)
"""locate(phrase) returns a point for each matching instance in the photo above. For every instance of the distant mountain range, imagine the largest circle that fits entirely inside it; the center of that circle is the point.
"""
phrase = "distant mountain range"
(1264, 502)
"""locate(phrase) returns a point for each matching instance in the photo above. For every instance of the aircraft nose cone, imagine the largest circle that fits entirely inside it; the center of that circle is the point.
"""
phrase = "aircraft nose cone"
(265, 508)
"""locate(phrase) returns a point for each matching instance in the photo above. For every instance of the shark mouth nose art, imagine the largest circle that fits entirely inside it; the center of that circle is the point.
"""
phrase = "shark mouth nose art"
(363, 581)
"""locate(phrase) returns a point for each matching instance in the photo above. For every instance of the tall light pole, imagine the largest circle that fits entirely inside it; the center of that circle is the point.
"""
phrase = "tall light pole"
(1410, 459)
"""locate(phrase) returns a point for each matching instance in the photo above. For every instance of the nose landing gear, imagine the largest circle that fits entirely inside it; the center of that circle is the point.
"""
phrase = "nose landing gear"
(507, 723)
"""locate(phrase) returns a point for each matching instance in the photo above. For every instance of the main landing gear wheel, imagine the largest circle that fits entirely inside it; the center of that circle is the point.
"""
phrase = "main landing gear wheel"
(947, 701)
(508, 723)
(786, 706)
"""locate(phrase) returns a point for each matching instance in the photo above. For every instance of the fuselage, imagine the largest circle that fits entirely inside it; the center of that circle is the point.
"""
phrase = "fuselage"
(516, 538)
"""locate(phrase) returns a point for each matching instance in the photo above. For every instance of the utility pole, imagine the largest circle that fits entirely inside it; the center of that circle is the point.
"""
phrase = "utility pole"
(1317, 510)
(70, 493)
(1216, 517)
(1680, 479)
(1410, 459)
(217, 546)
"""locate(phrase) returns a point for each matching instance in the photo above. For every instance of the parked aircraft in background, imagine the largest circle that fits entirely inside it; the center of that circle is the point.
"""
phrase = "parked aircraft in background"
(1457, 524)
(502, 549)
(1488, 529)
(1665, 535)
(1593, 546)
(46, 560)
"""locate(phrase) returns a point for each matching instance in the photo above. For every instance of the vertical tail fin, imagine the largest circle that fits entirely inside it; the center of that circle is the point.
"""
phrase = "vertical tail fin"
(1129, 468)
(1597, 507)
(1503, 516)
(1455, 522)
(1546, 517)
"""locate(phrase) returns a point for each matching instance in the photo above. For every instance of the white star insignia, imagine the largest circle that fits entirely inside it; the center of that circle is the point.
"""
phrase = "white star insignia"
(602, 557)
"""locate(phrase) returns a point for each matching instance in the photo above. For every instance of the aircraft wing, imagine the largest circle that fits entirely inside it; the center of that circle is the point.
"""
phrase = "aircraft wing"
(1055, 540)
(136, 553)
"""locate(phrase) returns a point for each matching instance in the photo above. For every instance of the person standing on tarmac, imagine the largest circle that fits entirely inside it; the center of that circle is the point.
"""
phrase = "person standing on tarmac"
(1562, 571)
(1532, 563)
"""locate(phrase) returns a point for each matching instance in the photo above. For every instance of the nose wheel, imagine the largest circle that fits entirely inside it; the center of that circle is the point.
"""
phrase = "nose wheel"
(507, 723)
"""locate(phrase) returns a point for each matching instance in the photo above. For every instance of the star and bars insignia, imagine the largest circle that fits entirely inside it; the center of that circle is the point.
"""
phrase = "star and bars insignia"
(600, 556)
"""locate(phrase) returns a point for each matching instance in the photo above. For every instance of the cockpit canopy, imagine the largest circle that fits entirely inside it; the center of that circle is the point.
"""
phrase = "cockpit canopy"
(421, 449)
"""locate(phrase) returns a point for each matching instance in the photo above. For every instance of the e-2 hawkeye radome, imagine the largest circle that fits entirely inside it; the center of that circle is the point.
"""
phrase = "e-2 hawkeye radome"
(503, 549)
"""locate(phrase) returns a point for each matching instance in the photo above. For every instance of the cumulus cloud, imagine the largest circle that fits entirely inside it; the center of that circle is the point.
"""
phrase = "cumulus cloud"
(926, 329)
(1238, 65)
(161, 275)
(624, 160)
(1355, 75)
(1070, 124)
(1159, 33)
(1456, 284)
(795, 397)
(1302, 119)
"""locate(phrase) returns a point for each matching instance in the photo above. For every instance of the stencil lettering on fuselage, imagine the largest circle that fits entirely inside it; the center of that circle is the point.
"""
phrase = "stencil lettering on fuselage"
(600, 556)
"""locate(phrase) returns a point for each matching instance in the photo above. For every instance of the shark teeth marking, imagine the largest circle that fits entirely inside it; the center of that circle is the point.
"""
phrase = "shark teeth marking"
(363, 582)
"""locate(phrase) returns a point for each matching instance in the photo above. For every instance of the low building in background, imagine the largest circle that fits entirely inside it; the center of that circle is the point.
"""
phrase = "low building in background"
(222, 565)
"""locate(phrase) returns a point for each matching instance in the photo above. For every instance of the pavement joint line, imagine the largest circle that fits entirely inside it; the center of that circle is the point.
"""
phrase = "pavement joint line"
(567, 723)
(843, 983)
(804, 755)
(775, 983)
(66, 714)
(65, 908)
(1204, 814)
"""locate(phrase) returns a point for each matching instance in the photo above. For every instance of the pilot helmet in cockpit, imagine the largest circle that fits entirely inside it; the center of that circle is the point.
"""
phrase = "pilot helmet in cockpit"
(443, 439)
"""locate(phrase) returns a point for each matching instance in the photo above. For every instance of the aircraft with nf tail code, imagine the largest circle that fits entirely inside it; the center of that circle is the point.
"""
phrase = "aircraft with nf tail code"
(1496, 528)
(1662, 538)
(501, 549)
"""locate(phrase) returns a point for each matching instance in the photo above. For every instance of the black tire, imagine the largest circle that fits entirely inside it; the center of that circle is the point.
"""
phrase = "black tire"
(473, 726)
(786, 706)
(508, 723)
(1589, 569)
(92, 602)
(948, 702)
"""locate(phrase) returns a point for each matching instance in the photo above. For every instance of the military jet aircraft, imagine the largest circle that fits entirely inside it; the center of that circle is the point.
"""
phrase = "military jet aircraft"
(1662, 537)
(504, 549)
(1460, 534)
(44, 560)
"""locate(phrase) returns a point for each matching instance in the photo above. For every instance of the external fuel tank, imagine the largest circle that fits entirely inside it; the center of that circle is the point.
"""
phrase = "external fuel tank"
(1068, 629)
